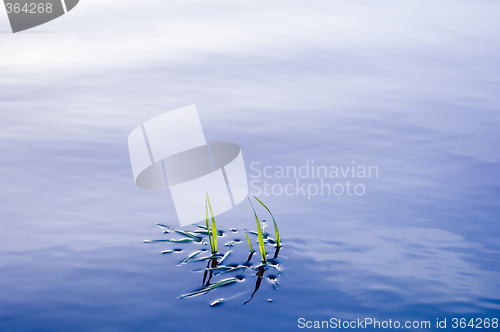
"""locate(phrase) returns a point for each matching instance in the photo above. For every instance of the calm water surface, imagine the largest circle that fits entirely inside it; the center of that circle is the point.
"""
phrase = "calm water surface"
(420, 244)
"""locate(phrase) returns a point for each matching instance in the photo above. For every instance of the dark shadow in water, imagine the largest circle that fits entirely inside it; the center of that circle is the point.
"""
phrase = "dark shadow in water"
(250, 257)
(260, 275)
(276, 252)
(212, 264)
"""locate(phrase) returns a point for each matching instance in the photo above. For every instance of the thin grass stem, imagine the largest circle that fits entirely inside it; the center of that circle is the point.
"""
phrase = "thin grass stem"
(277, 233)
(259, 234)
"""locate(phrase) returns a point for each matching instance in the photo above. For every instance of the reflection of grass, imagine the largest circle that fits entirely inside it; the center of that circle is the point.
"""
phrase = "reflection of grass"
(259, 276)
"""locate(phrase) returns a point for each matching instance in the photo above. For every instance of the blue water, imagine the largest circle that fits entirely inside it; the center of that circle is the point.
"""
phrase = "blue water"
(416, 96)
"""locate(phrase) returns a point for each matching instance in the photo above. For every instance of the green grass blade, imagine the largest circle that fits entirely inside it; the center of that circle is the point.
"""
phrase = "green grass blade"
(278, 242)
(259, 234)
(214, 227)
(208, 228)
(214, 233)
(261, 242)
(249, 243)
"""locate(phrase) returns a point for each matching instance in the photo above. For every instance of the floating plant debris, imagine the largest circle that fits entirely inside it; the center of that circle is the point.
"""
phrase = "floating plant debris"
(273, 280)
(203, 230)
(217, 302)
(166, 229)
(223, 269)
(214, 263)
(209, 288)
(194, 254)
(207, 258)
(189, 234)
(171, 240)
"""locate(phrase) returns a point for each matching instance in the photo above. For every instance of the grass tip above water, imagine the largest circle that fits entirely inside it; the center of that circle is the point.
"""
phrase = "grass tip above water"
(276, 231)
(262, 247)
